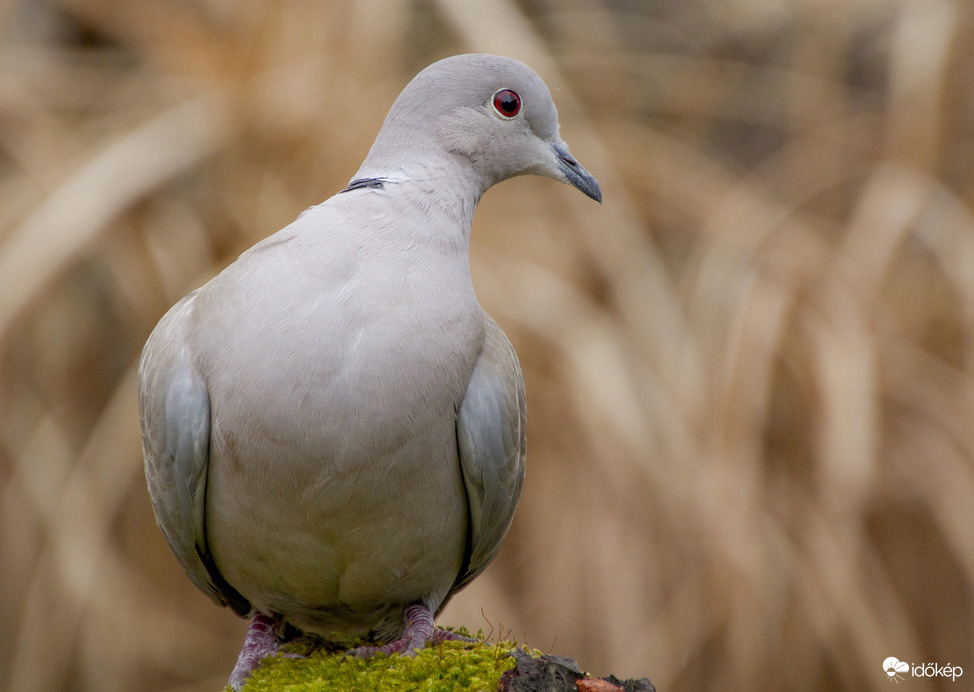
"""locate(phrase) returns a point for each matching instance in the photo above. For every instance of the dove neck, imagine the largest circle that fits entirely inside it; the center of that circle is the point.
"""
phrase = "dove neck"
(443, 187)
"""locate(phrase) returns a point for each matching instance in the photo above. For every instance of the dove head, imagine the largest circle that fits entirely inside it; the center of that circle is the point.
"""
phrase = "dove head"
(491, 116)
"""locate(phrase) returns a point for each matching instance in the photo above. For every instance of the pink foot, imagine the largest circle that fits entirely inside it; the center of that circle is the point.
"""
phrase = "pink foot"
(261, 641)
(419, 632)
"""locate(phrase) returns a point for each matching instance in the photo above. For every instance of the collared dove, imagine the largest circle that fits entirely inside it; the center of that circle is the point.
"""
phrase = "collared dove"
(333, 428)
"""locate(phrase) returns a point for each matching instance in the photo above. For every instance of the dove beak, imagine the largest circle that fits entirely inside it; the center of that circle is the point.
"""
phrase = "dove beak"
(575, 175)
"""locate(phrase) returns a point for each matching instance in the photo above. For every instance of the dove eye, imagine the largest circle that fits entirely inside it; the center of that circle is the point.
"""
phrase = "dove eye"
(507, 103)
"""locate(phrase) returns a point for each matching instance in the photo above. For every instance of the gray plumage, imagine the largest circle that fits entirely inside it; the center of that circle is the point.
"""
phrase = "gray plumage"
(333, 428)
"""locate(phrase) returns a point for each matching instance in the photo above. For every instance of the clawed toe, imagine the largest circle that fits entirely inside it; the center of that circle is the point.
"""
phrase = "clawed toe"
(261, 642)
(419, 632)
(448, 636)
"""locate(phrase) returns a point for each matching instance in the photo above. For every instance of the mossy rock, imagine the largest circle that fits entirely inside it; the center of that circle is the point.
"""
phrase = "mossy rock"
(452, 666)
(447, 667)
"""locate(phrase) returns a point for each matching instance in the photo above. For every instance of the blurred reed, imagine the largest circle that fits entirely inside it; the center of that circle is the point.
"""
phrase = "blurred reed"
(751, 457)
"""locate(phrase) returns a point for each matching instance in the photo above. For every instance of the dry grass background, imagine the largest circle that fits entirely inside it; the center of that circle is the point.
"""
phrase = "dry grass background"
(750, 373)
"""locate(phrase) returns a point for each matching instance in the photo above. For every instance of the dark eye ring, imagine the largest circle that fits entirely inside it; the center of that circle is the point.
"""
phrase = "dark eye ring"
(507, 103)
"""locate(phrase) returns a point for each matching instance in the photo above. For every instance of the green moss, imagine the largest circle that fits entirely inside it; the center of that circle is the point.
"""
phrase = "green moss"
(449, 666)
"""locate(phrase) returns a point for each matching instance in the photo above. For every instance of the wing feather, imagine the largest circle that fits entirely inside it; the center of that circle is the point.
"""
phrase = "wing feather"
(174, 411)
(491, 443)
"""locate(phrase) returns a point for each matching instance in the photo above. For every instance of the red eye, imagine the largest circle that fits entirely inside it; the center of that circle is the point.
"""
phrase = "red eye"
(507, 103)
